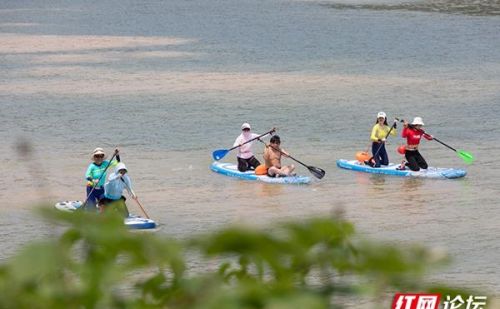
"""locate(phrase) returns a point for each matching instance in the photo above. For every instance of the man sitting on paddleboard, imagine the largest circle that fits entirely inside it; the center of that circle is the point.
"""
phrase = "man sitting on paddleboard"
(246, 159)
(413, 133)
(272, 158)
(113, 189)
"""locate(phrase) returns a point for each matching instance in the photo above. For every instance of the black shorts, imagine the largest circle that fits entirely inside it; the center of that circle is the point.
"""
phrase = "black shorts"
(247, 164)
(105, 200)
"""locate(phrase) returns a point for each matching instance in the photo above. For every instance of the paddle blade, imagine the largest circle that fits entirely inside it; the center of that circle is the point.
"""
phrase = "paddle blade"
(467, 157)
(316, 171)
(219, 154)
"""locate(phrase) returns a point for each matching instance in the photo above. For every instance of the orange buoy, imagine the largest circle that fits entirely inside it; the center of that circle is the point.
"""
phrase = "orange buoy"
(261, 170)
(362, 156)
(402, 149)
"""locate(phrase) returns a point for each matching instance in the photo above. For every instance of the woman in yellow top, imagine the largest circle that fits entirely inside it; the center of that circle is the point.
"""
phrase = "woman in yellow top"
(380, 132)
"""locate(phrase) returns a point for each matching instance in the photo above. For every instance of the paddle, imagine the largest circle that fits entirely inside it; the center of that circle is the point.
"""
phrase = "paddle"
(103, 173)
(467, 157)
(136, 199)
(464, 155)
(316, 171)
(369, 161)
(221, 153)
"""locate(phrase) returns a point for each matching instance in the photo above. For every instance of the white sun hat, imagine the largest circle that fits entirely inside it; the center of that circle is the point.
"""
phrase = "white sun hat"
(245, 126)
(417, 121)
(381, 114)
(98, 151)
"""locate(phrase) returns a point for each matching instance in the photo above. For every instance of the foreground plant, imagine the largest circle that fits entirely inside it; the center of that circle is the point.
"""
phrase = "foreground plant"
(315, 263)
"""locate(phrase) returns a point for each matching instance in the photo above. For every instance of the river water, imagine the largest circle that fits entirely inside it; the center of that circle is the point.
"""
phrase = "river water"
(168, 82)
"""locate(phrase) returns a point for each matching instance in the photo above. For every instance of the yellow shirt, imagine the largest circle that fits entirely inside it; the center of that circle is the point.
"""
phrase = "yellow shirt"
(380, 132)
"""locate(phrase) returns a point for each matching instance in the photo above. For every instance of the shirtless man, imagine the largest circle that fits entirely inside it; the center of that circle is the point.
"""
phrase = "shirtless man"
(272, 158)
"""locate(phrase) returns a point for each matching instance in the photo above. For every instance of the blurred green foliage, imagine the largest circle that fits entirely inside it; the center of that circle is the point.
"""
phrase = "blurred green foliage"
(315, 263)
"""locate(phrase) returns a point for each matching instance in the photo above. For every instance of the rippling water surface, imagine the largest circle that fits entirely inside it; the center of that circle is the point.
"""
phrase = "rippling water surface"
(168, 82)
(467, 7)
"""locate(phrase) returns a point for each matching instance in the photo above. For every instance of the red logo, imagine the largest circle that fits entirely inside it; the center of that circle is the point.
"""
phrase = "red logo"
(416, 301)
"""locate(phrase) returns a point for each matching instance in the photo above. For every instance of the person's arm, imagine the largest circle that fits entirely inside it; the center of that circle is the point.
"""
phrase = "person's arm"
(117, 151)
(405, 132)
(373, 136)
(88, 173)
(116, 160)
(394, 131)
(128, 186)
(428, 137)
(265, 154)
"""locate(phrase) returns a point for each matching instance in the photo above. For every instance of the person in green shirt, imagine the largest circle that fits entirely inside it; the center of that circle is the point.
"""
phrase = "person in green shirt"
(95, 178)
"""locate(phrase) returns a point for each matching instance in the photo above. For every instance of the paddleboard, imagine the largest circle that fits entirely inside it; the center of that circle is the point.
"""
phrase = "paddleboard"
(230, 169)
(132, 222)
(431, 172)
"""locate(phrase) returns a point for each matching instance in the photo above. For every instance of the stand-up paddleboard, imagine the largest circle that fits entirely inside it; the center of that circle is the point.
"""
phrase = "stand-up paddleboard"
(230, 169)
(391, 169)
(132, 222)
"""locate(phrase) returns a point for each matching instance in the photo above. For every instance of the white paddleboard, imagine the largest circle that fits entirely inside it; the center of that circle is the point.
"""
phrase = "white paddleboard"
(132, 222)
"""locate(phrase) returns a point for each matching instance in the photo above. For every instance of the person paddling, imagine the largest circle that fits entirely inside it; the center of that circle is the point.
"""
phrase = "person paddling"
(380, 132)
(113, 189)
(245, 157)
(95, 178)
(413, 133)
(272, 158)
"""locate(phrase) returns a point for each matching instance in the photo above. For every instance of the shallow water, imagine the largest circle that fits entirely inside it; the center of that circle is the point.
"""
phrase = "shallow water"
(168, 82)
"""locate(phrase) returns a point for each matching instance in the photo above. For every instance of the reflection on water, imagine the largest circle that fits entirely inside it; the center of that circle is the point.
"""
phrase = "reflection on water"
(466, 7)
(410, 184)
(406, 190)
(411, 189)
(266, 190)
(377, 181)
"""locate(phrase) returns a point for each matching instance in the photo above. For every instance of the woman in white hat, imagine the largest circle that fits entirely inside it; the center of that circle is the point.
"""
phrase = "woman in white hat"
(378, 137)
(413, 133)
(246, 159)
(113, 190)
(95, 178)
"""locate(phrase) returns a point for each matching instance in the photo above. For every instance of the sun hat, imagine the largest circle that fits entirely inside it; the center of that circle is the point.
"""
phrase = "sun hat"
(98, 151)
(245, 126)
(417, 121)
(381, 115)
(120, 166)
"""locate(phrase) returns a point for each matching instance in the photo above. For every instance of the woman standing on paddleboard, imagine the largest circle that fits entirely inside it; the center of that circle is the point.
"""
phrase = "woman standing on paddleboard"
(95, 178)
(413, 133)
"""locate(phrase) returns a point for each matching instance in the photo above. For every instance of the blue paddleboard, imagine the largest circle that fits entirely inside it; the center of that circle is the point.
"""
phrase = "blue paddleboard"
(391, 169)
(230, 169)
